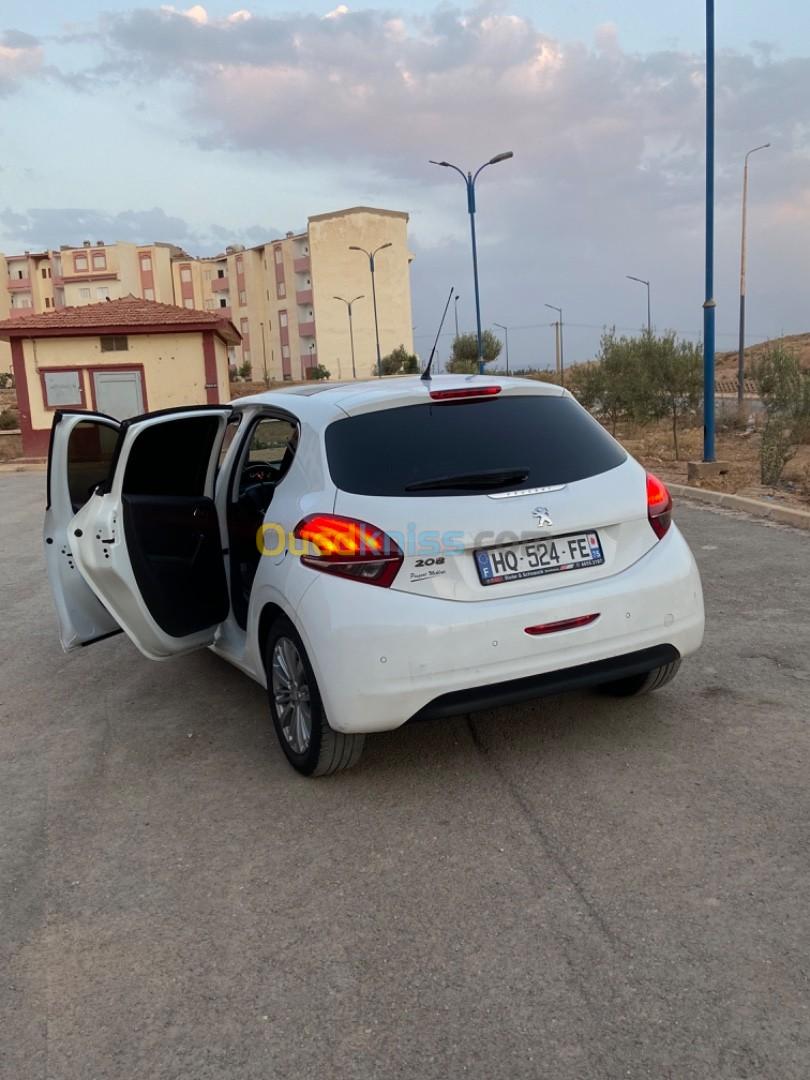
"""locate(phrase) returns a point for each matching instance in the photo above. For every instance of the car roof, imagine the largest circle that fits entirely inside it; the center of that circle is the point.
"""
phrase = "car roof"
(367, 395)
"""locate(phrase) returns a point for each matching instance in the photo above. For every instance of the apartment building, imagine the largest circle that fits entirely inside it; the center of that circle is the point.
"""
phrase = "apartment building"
(280, 295)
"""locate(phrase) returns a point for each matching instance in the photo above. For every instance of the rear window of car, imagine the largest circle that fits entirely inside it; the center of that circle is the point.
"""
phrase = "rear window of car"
(552, 439)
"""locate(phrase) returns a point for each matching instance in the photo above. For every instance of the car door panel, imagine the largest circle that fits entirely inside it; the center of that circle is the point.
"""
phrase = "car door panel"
(81, 449)
(150, 545)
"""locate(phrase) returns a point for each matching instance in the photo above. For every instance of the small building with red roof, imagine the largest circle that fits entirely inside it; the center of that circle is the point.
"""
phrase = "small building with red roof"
(122, 357)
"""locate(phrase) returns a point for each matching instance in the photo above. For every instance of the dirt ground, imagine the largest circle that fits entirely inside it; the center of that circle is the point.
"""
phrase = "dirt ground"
(653, 446)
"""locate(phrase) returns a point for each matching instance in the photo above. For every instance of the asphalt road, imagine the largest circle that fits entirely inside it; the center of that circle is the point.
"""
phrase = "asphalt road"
(578, 888)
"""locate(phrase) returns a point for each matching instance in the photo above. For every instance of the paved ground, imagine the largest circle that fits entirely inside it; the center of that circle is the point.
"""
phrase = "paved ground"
(574, 889)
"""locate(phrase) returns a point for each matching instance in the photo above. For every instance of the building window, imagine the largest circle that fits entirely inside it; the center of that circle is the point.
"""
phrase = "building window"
(240, 266)
(47, 301)
(223, 301)
(146, 262)
(281, 290)
(103, 293)
(149, 294)
(188, 303)
(62, 388)
(285, 351)
(282, 318)
(242, 298)
(99, 260)
(246, 355)
(44, 272)
(84, 294)
(279, 255)
(185, 273)
(209, 304)
(80, 263)
(114, 343)
(220, 273)
(244, 327)
(208, 275)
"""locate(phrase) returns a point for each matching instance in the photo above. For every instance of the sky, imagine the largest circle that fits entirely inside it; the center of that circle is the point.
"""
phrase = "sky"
(208, 124)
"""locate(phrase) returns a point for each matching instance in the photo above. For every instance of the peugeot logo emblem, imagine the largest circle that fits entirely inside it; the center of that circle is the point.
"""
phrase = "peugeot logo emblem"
(542, 516)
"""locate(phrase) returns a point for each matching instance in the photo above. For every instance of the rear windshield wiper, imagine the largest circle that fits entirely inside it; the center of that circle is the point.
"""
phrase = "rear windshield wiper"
(489, 478)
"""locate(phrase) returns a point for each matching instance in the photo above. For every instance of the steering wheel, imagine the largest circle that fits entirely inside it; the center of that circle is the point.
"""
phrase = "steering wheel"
(259, 473)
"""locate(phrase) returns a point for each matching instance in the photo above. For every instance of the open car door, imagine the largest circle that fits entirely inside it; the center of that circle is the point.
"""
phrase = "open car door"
(148, 541)
(79, 459)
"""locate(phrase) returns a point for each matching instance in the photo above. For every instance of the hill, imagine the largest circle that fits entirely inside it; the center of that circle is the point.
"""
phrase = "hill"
(798, 343)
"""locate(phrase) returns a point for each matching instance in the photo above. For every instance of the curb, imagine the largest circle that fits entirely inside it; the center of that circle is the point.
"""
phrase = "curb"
(11, 467)
(784, 515)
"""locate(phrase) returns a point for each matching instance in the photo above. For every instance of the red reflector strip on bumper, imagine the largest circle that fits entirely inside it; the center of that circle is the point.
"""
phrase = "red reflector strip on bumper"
(563, 624)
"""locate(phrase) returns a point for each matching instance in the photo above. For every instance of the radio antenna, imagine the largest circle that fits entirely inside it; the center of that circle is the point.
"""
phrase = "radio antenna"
(426, 372)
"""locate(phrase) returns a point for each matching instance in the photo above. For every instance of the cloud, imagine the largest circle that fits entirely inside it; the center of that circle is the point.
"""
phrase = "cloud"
(48, 228)
(20, 57)
(390, 90)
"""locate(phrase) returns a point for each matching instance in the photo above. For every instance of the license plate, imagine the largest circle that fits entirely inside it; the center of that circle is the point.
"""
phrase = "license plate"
(535, 558)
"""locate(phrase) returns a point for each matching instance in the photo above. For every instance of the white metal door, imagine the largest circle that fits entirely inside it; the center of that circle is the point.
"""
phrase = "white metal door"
(118, 393)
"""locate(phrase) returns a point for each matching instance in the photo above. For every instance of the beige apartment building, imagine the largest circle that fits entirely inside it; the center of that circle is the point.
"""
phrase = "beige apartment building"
(280, 295)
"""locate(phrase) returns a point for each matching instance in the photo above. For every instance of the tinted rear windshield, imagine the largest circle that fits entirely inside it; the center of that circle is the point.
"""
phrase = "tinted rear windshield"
(547, 440)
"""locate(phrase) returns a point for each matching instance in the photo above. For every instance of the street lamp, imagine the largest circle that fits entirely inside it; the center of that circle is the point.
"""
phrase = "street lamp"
(469, 179)
(506, 341)
(741, 351)
(348, 304)
(455, 309)
(559, 343)
(371, 254)
(641, 281)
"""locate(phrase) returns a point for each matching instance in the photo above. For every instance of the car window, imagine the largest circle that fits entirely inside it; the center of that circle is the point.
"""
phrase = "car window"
(538, 441)
(271, 447)
(227, 439)
(90, 451)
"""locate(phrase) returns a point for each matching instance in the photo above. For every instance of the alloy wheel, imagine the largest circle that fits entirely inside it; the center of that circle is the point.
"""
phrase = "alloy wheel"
(291, 694)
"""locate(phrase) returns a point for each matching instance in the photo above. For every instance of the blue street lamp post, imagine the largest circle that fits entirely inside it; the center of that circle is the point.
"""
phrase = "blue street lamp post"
(469, 179)
(709, 304)
(371, 254)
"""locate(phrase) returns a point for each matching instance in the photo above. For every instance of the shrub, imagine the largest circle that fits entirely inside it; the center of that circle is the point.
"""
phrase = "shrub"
(9, 420)
(318, 372)
(6, 380)
(245, 370)
(784, 389)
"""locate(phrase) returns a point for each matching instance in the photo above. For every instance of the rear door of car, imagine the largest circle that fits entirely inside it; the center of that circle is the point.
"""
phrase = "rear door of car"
(149, 542)
(79, 459)
(573, 483)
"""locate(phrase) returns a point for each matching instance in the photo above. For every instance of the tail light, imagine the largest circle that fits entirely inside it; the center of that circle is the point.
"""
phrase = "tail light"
(465, 392)
(349, 548)
(659, 506)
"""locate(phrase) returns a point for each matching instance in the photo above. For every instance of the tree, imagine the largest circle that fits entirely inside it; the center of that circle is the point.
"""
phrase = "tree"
(622, 384)
(245, 370)
(674, 379)
(784, 389)
(399, 361)
(464, 359)
(318, 372)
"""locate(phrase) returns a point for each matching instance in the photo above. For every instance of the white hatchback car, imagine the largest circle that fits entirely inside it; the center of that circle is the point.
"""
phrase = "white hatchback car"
(374, 552)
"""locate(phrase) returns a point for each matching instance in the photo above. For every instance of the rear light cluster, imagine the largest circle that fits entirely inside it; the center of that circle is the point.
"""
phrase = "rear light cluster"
(349, 548)
(659, 506)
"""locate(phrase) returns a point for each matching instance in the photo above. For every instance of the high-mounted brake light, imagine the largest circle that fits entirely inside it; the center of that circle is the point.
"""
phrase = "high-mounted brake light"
(659, 506)
(563, 624)
(349, 548)
(465, 392)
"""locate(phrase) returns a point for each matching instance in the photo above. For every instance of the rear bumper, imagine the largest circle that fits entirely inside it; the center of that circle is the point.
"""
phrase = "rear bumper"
(496, 695)
(382, 657)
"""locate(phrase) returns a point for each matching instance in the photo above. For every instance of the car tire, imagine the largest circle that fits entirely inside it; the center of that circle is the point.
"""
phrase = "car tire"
(644, 683)
(311, 746)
